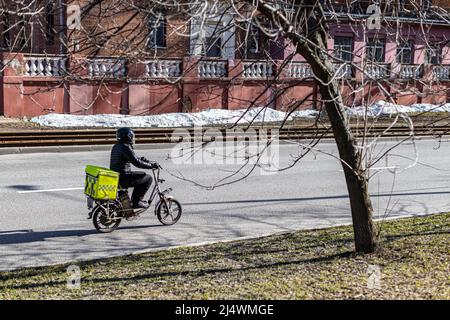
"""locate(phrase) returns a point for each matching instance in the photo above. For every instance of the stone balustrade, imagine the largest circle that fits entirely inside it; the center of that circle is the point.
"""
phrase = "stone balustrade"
(410, 71)
(299, 70)
(442, 72)
(377, 71)
(163, 68)
(55, 66)
(107, 68)
(212, 69)
(257, 70)
(343, 70)
(40, 66)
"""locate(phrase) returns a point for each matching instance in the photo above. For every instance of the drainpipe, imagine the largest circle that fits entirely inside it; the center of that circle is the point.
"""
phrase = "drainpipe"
(62, 26)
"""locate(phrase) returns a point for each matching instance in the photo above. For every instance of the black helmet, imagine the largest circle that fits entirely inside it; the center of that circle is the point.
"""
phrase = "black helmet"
(125, 135)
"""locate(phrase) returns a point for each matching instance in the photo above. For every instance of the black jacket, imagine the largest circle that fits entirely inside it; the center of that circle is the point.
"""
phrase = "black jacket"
(122, 155)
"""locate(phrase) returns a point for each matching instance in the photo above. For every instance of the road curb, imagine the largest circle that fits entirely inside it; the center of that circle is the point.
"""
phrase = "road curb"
(149, 146)
(87, 148)
(66, 149)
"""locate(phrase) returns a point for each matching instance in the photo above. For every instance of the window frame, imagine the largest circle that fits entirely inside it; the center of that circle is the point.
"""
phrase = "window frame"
(157, 35)
(375, 41)
(5, 32)
(211, 43)
(433, 47)
(254, 37)
(401, 48)
(339, 52)
(50, 23)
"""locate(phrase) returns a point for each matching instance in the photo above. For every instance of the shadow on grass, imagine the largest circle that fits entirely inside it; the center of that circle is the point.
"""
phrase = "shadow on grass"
(292, 246)
(148, 276)
(394, 237)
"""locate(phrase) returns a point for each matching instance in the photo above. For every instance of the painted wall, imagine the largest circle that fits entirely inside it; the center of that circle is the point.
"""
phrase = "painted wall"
(193, 94)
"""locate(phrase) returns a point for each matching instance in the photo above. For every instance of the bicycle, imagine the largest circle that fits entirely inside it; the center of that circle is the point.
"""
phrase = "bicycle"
(108, 214)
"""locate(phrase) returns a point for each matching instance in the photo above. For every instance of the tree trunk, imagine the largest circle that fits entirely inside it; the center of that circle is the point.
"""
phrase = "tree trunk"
(314, 51)
(355, 175)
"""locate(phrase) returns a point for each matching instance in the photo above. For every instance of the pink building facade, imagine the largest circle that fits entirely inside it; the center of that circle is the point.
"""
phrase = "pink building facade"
(33, 84)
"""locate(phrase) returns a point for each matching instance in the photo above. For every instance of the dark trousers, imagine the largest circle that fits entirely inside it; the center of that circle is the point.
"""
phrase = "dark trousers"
(138, 180)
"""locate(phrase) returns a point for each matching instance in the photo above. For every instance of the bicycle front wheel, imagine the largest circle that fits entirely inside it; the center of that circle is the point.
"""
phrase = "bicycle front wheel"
(168, 212)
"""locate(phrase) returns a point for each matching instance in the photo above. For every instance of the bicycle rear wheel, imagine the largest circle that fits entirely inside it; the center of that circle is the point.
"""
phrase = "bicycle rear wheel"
(103, 222)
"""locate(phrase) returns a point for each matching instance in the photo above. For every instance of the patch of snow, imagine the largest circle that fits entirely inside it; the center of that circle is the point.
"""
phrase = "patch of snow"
(386, 108)
(170, 120)
(221, 117)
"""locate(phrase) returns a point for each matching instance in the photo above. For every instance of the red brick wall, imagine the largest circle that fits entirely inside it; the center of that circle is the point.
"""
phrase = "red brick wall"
(35, 29)
(132, 36)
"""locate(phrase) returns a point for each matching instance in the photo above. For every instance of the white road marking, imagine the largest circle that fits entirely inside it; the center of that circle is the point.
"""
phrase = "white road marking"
(50, 190)
(384, 168)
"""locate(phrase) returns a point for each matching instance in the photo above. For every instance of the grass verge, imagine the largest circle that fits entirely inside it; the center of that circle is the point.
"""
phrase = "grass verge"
(316, 264)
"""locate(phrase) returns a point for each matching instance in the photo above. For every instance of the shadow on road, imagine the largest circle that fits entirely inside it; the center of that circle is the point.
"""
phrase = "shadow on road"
(24, 236)
(23, 187)
(317, 198)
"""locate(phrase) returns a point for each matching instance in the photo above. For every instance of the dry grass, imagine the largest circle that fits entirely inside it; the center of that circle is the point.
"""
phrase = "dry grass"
(317, 264)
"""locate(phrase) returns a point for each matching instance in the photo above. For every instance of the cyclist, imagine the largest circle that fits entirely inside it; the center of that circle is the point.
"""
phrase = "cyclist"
(122, 156)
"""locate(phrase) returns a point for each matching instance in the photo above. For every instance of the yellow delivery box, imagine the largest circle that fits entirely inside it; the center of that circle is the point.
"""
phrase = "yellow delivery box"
(101, 183)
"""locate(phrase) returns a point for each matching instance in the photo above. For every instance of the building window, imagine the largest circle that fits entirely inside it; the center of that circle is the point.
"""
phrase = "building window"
(433, 54)
(213, 47)
(50, 24)
(343, 48)
(4, 29)
(253, 40)
(21, 37)
(157, 32)
(375, 50)
(405, 52)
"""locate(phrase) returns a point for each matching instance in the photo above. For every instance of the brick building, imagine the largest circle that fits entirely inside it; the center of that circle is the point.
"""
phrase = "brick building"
(184, 67)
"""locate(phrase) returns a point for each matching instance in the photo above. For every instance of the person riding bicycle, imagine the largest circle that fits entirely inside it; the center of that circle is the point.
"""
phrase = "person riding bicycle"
(122, 156)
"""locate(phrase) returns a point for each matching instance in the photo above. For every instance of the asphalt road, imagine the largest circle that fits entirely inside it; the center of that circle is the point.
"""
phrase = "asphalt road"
(43, 215)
